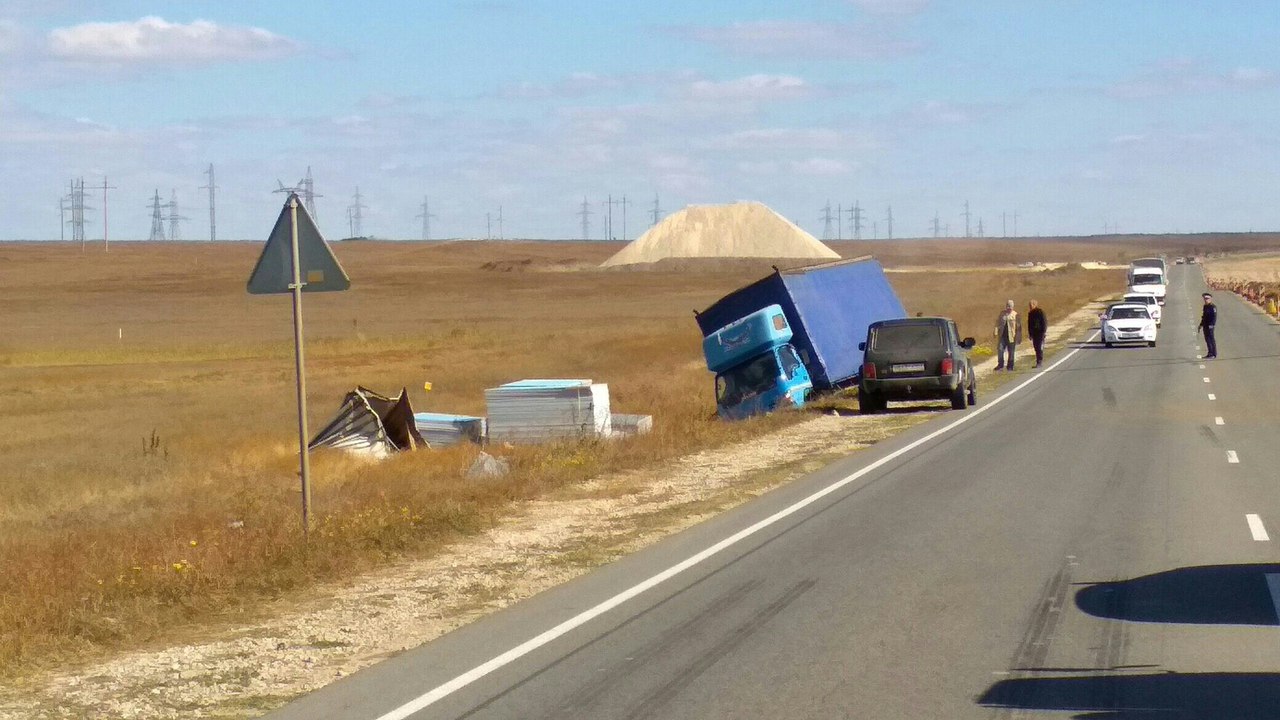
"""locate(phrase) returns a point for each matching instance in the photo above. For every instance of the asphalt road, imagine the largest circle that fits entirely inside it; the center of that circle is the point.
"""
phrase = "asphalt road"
(1095, 541)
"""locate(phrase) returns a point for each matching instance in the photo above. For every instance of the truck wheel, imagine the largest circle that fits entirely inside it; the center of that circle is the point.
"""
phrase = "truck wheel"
(957, 398)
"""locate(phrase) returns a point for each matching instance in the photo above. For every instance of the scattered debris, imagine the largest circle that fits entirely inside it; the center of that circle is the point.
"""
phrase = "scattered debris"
(371, 424)
(488, 466)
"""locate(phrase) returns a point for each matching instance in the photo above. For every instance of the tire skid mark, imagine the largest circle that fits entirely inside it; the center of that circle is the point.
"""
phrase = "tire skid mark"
(579, 702)
(662, 695)
(1036, 640)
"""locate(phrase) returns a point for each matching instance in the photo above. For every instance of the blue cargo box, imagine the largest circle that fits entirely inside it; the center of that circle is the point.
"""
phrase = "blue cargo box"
(745, 338)
(828, 306)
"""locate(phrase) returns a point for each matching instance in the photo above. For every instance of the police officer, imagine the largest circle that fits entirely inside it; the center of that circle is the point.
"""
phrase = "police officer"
(1209, 318)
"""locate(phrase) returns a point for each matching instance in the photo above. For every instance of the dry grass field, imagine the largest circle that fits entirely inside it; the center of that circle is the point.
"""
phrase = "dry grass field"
(148, 424)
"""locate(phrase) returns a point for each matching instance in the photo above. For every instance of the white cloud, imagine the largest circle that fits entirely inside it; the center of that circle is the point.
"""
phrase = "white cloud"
(153, 39)
(778, 38)
(1185, 77)
(759, 87)
(825, 167)
(762, 139)
(891, 7)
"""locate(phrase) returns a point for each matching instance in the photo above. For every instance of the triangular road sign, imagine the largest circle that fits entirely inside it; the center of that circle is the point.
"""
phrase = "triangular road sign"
(318, 268)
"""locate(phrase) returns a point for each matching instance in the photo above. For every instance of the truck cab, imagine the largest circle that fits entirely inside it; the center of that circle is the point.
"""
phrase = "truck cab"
(757, 369)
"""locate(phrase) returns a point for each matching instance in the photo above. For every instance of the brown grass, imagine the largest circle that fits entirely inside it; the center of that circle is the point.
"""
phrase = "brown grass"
(150, 481)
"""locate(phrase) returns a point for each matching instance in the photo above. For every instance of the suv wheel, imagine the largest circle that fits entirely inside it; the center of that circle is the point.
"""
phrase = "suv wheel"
(957, 398)
(973, 395)
(868, 404)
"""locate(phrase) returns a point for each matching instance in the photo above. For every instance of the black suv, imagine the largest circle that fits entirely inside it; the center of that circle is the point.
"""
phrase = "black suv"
(915, 359)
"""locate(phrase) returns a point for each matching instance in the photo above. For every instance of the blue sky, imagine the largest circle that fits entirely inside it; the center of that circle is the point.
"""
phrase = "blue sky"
(1078, 116)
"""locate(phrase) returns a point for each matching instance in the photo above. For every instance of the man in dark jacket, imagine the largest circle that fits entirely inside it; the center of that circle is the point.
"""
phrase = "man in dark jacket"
(1209, 318)
(1037, 326)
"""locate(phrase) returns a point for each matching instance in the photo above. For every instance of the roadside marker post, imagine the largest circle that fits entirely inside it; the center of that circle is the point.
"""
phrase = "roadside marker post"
(295, 250)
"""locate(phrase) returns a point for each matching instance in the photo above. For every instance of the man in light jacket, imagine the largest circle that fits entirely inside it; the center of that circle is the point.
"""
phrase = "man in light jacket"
(1008, 334)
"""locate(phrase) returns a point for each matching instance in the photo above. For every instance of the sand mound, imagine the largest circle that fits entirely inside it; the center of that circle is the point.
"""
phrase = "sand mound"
(740, 230)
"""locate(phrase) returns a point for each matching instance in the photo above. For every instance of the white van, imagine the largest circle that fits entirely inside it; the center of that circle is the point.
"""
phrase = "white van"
(1147, 280)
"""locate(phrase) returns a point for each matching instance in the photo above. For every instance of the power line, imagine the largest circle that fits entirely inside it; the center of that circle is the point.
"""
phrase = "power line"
(624, 216)
(356, 215)
(839, 221)
(213, 218)
(426, 216)
(935, 224)
(309, 195)
(501, 236)
(104, 187)
(174, 217)
(657, 210)
(826, 220)
(889, 220)
(157, 220)
(855, 217)
(585, 213)
(966, 220)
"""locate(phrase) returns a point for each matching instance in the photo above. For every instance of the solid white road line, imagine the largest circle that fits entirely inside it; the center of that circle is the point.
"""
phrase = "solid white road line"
(1232, 457)
(1218, 421)
(1256, 528)
(1212, 396)
(442, 691)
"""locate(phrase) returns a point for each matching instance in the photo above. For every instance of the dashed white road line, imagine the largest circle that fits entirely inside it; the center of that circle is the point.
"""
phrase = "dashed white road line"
(1259, 532)
(1206, 379)
(1202, 367)
(1212, 396)
(1219, 421)
(1232, 457)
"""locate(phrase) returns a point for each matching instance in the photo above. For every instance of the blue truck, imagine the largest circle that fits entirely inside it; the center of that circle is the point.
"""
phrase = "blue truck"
(793, 334)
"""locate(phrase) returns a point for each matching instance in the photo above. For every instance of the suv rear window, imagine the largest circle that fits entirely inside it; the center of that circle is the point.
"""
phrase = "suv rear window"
(906, 338)
(1147, 279)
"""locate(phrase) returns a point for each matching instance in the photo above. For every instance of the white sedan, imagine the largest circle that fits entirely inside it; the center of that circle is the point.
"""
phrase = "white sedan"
(1128, 323)
(1150, 300)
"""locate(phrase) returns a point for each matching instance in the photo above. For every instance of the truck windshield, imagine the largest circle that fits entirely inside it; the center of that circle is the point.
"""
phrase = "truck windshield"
(751, 378)
(906, 338)
(790, 362)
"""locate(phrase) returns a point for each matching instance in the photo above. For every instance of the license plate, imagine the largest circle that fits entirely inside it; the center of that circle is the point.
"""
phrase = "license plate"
(908, 367)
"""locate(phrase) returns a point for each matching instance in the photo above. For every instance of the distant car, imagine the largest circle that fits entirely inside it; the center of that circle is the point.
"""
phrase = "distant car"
(915, 359)
(1150, 300)
(1128, 323)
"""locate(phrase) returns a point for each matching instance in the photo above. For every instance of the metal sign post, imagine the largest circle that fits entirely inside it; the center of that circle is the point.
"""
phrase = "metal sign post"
(300, 363)
(295, 260)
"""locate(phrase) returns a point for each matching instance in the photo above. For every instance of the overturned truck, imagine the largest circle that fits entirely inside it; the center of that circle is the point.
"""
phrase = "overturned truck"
(793, 334)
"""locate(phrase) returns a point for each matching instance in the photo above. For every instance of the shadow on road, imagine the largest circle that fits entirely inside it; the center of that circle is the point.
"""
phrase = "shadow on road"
(1134, 697)
(1206, 595)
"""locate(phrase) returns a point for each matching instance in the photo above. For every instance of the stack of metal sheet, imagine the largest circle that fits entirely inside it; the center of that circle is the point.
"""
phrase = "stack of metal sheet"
(624, 425)
(532, 411)
(441, 429)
